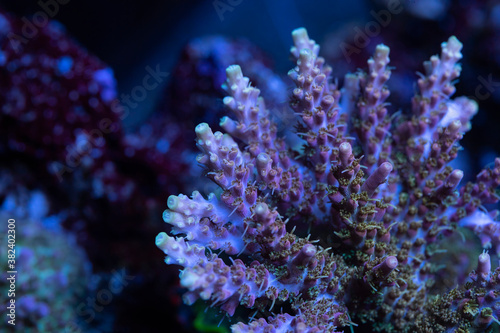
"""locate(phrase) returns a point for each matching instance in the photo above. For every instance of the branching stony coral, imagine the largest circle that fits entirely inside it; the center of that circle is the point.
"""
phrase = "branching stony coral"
(341, 231)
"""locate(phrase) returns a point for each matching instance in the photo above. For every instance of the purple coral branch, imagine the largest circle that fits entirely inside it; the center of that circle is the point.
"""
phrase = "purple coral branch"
(382, 210)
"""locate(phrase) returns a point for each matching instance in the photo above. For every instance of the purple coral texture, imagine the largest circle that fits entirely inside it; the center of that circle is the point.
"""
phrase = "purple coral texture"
(336, 223)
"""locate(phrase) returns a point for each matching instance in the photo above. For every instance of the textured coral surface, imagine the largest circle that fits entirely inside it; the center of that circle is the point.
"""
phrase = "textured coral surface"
(336, 223)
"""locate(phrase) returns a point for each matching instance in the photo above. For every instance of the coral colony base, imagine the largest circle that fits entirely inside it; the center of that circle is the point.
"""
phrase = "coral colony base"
(340, 229)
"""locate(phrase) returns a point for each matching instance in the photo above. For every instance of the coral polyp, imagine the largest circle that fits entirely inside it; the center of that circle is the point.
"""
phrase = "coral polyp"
(335, 221)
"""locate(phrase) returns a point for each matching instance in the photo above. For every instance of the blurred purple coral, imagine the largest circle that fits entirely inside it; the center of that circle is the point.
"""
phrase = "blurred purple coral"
(58, 102)
(375, 194)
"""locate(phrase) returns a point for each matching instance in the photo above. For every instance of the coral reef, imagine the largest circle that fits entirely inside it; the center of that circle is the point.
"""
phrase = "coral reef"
(61, 133)
(336, 224)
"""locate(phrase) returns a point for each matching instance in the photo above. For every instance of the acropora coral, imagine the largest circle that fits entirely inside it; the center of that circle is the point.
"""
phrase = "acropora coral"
(334, 223)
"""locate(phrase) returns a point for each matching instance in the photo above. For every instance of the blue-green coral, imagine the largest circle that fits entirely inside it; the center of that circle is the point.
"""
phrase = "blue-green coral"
(52, 270)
